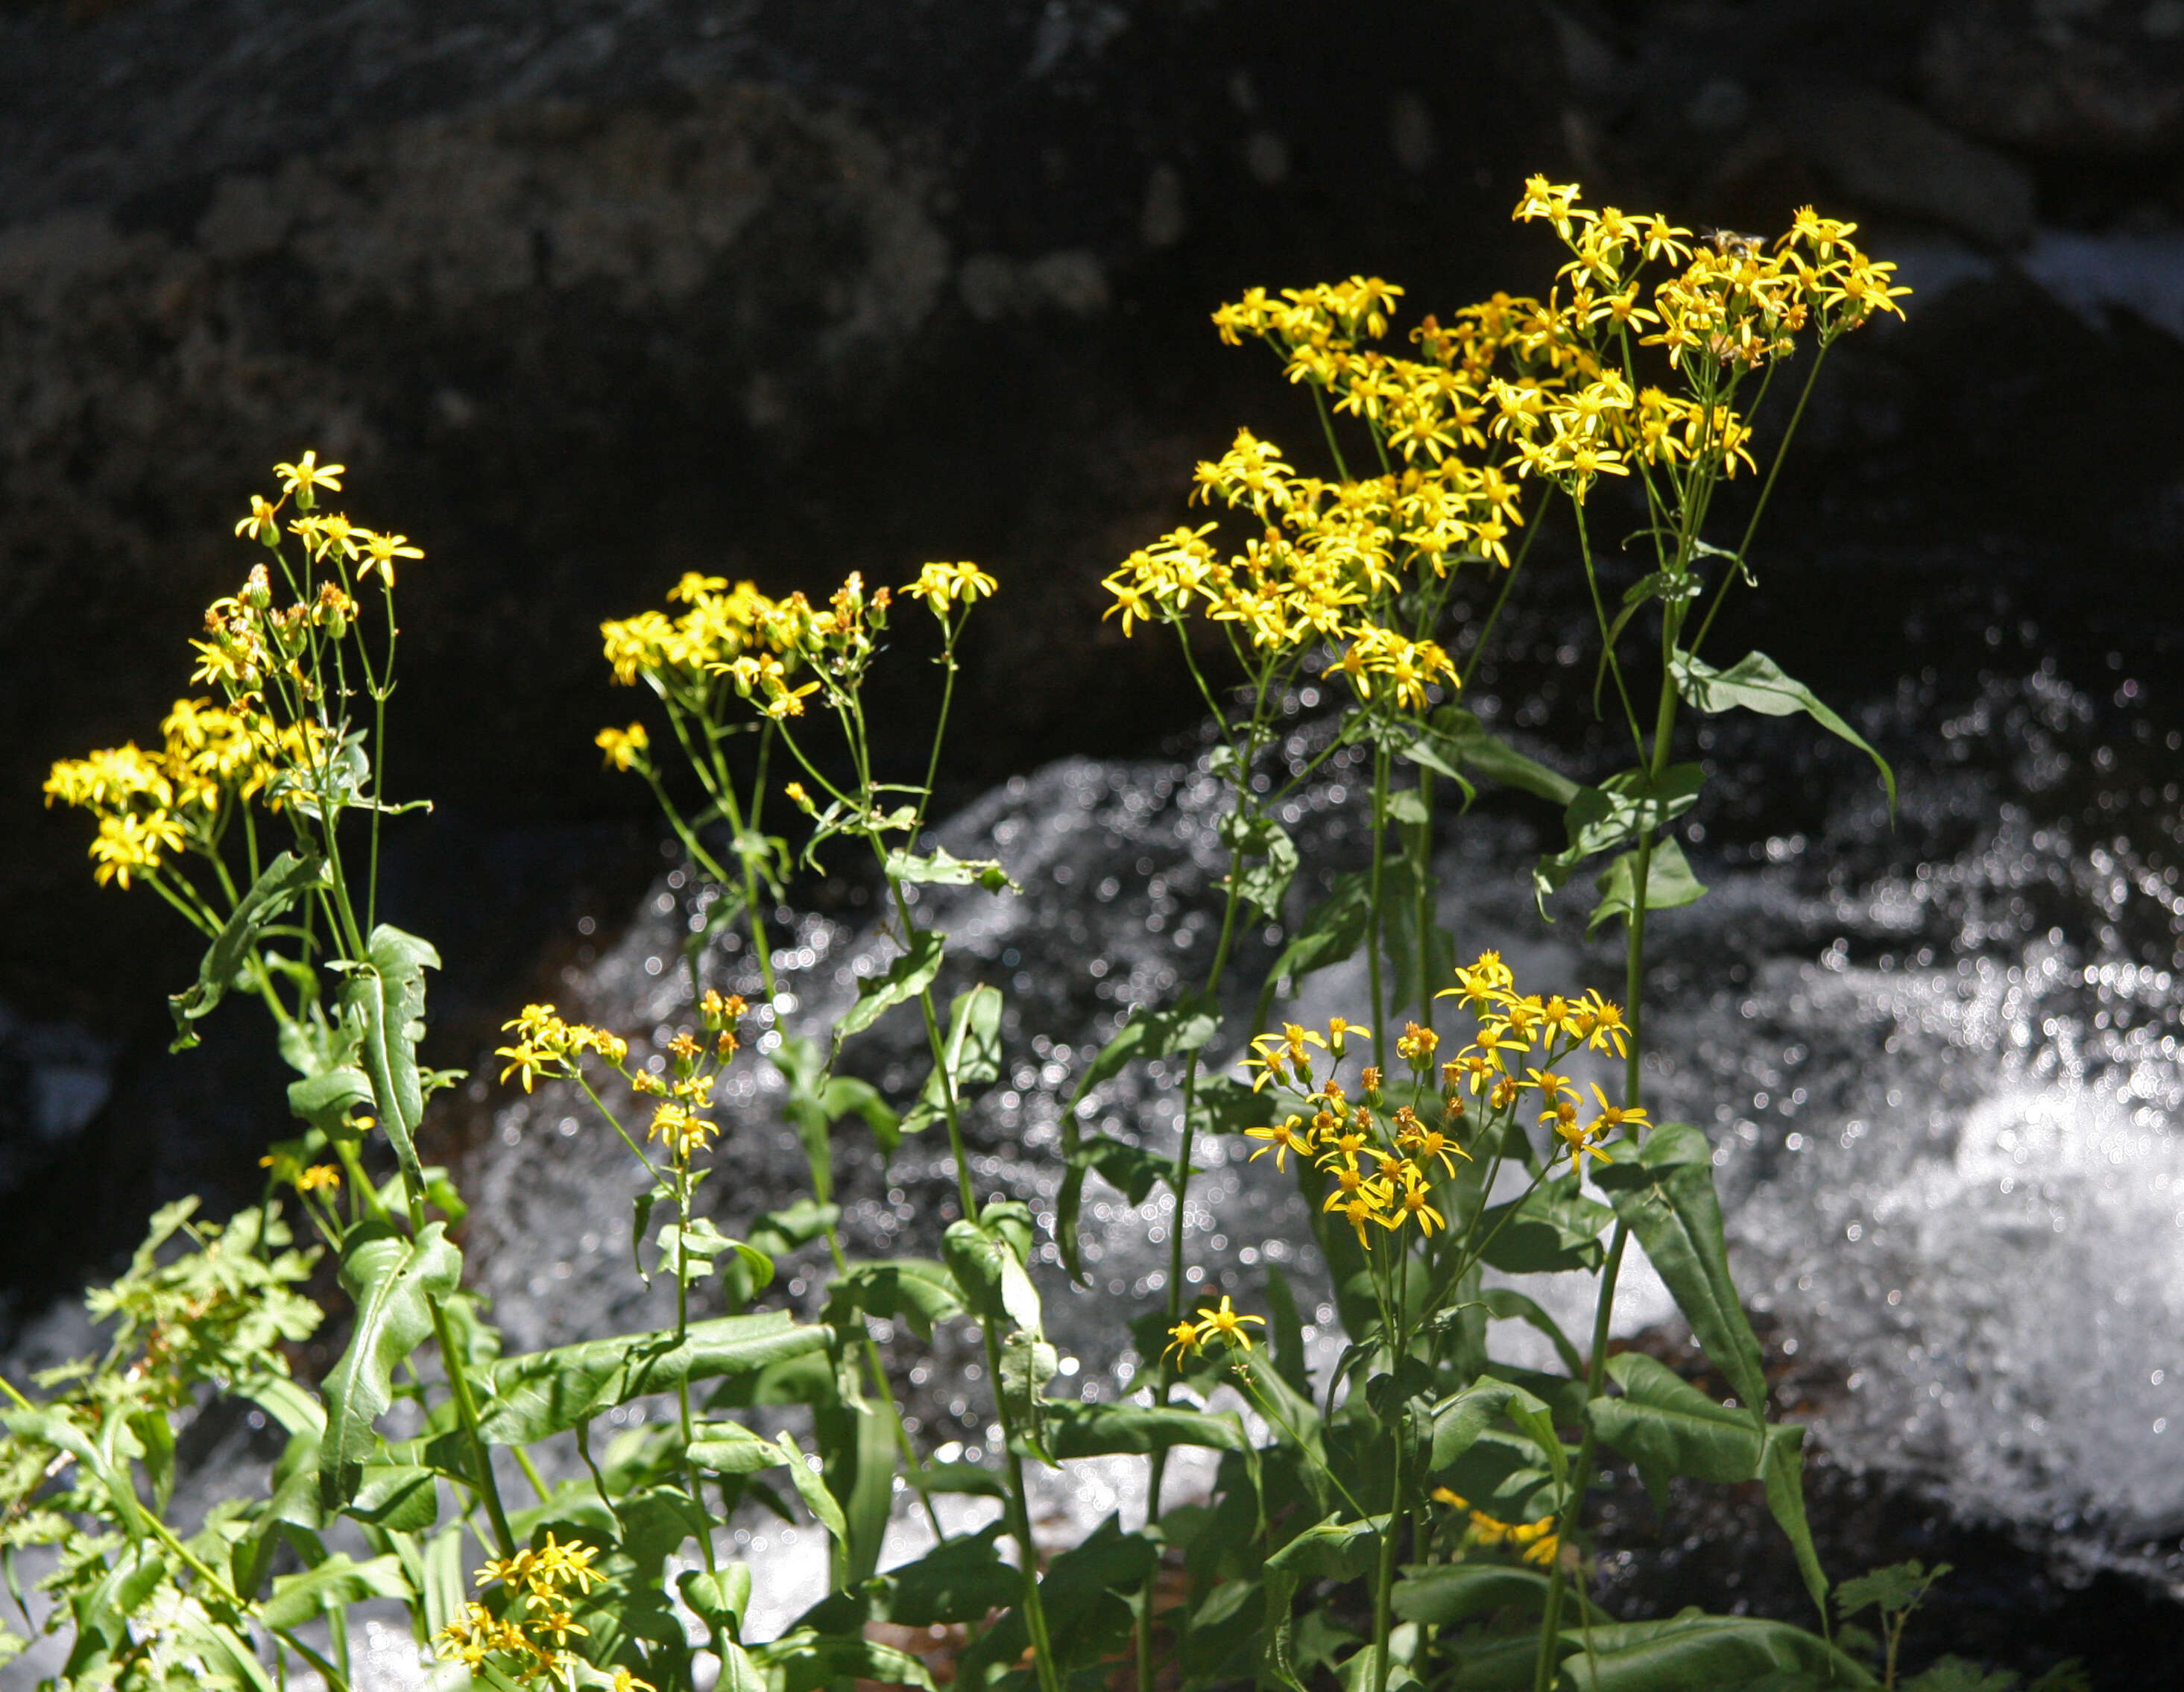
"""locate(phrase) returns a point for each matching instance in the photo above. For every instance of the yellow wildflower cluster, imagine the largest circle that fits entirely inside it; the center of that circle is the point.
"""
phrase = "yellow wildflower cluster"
(1383, 1158)
(1513, 1026)
(547, 1048)
(1330, 553)
(319, 1178)
(149, 803)
(1386, 1149)
(722, 624)
(537, 1618)
(1737, 304)
(941, 587)
(625, 747)
(1219, 1321)
(1536, 1542)
(757, 645)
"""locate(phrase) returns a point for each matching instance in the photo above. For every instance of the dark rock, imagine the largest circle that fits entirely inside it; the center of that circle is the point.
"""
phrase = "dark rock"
(2084, 81)
(1893, 157)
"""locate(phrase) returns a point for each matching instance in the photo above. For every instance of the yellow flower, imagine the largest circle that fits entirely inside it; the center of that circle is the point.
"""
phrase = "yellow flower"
(1415, 1045)
(127, 843)
(1339, 1031)
(683, 1133)
(1605, 1029)
(943, 585)
(1614, 1116)
(262, 524)
(1226, 1324)
(1414, 1204)
(306, 474)
(1183, 1337)
(625, 747)
(381, 550)
(1293, 1135)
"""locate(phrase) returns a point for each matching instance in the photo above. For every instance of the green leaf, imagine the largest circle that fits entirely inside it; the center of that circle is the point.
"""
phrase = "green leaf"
(972, 1050)
(719, 1599)
(942, 868)
(811, 1487)
(991, 1275)
(1464, 1420)
(1446, 1594)
(393, 1281)
(1131, 1170)
(1757, 682)
(399, 1497)
(1265, 859)
(1954, 1674)
(1782, 1468)
(972, 1480)
(386, 995)
(914, 1289)
(859, 1446)
(1087, 1616)
(962, 1580)
(287, 879)
(446, 1586)
(1551, 1229)
(1027, 1364)
(1623, 807)
(1335, 1550)
(334, 1584)
(1668, 1426)
(1669, 884)
(1285, 1330)
(1465, 738)
(804, 1661)
(906, 977)
(1107, 1430)
(1666, 1195)
(729, 1448)
(1408, 806)
(698, 1245)
(846, 1095)
(1222, 1104)
(640, 1219)
(1183, 1027)
(325, 1099)
(1898, 1587)
(524, 1399)
(778, 1232)
(1334, 932)
(1720, 1653)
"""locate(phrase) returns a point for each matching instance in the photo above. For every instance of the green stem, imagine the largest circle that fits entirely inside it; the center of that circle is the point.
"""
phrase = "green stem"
(1373, 932)
(1016, 1503)
(489, 1489)
(1766, 492)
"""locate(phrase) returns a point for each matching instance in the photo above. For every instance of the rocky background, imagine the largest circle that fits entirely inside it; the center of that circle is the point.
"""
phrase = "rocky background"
(588, 292)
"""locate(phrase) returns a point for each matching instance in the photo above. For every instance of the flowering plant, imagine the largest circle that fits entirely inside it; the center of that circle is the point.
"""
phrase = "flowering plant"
(1412, 1512)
